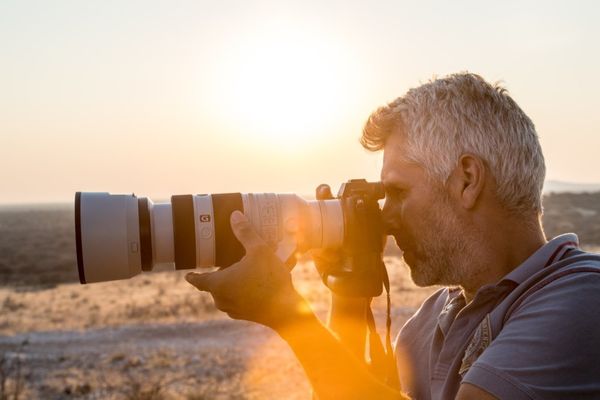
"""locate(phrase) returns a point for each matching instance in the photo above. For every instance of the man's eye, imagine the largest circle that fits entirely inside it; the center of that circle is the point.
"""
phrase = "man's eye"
(395, 193)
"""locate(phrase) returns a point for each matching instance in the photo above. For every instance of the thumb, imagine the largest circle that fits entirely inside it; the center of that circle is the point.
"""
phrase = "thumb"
(244, 231)
(204, 282)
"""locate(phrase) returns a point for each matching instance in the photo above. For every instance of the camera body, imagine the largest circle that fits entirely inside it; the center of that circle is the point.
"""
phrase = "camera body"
(119, 236)
(363, 270)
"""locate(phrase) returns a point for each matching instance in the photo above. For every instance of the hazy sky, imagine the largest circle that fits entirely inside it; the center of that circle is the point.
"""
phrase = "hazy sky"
(161, 97)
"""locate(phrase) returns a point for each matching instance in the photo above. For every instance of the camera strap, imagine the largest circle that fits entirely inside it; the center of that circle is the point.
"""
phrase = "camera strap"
(383, 362)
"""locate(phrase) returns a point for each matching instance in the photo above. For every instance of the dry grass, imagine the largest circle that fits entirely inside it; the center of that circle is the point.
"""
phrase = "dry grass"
(150, 337)
(153, 298)
(158, 297)
(250, 364)
(12, 380)
(158, 375)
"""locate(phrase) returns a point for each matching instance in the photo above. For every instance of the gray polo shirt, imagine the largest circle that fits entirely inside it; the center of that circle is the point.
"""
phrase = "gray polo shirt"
(533, 335)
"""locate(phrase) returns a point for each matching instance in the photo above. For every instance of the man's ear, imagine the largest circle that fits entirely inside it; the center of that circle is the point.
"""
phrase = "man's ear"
(468, 180)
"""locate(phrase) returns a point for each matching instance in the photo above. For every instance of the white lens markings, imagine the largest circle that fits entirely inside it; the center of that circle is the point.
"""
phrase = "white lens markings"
(269, 218)
(205, 230)
(264, 213)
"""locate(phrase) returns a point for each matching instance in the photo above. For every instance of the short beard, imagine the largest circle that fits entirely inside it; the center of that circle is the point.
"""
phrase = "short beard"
(445, 250)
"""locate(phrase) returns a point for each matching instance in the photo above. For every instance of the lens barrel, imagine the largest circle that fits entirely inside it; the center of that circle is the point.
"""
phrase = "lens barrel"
(118, 236)
(184, 233)
(145, 234)
(107, 236)
(228, 249)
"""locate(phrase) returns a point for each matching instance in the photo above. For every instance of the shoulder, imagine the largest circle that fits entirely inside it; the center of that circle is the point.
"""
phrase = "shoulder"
(575, 283)
(557, 310)
(553, 327)
(564, 299)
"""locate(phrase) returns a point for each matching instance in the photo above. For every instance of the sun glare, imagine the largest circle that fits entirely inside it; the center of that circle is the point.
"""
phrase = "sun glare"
(284, 89)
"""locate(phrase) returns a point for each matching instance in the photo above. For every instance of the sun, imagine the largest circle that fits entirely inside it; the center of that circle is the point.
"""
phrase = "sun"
(284, 89)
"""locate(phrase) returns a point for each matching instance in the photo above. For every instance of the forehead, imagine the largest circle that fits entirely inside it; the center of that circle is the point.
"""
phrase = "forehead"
(396, 168)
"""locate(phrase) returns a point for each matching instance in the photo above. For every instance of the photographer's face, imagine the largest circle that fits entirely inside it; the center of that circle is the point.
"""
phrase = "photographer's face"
(421, 216)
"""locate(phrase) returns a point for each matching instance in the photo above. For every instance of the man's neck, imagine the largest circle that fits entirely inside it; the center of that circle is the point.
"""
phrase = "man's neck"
(508, 245)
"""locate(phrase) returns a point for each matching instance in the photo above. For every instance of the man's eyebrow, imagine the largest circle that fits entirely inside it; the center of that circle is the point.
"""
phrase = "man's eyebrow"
(394, 187)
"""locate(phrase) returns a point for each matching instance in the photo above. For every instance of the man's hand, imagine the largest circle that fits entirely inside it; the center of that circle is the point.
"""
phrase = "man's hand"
(258, 288)
(327, 261)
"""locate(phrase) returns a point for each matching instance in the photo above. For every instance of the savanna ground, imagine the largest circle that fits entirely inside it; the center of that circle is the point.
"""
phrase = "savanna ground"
(155, 336)
(150, 337)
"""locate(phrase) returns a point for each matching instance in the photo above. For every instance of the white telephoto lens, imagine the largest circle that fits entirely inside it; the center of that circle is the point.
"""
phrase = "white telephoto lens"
(161, 220)
(118, 236)
(107, 237)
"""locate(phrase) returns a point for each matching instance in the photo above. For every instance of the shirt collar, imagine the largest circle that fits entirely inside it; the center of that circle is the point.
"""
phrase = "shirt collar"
(547, 254)
(544, 256)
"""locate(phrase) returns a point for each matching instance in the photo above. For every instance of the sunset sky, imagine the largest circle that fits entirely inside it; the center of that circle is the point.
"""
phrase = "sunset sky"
(172, 97)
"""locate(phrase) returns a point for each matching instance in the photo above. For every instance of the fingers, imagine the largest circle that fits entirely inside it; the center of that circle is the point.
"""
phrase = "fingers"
(211, 282)
(244, 231)
(327, 260)
(204, 282)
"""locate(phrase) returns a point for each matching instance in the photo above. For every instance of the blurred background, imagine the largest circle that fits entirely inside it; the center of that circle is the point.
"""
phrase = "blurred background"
(156, 97)
(161, 98)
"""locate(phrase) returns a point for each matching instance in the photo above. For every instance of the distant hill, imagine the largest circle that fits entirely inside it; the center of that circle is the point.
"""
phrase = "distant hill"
(563, 187)
(573, 212)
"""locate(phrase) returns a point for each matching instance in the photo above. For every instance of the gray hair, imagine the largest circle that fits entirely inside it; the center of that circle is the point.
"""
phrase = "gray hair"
(462, 113)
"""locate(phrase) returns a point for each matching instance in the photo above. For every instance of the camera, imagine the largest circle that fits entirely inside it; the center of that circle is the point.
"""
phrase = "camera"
(119, 236)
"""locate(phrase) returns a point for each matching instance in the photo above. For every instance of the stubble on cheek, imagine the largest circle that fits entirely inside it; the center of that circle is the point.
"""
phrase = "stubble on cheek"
(416, 259)
(437, 259)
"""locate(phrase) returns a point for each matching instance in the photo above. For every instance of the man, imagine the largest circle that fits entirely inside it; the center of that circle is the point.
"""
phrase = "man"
(520, 317)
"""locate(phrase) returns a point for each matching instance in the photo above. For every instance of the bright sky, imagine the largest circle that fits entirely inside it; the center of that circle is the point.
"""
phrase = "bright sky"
(163, 97)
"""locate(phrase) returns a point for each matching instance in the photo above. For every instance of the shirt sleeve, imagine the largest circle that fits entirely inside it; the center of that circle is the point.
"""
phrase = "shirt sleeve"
(550, 346)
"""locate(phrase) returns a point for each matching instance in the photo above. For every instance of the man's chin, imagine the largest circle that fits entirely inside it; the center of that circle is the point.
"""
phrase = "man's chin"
(421, 281)
(409, 259)
(417, 275)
